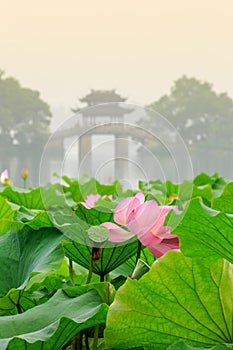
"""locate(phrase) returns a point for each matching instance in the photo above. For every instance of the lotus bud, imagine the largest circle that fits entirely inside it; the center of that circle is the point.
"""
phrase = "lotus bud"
(24, 173)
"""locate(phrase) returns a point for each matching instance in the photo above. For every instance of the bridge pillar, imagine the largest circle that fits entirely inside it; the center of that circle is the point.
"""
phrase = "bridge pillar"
(121, 157)
(85, 159)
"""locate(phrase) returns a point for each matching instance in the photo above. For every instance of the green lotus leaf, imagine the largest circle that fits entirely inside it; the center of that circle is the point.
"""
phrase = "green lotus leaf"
(94, 216)
(80, 189)
(6, 211)
(27, 198)
(26, 251)
(204, 233)
(105, 290)
(10, 301)
(110, 256)
(224, 203)
(51, 325)
(183, 346)
(7, 214)
(39, 198)
(41, 220)
(178, 300)
(79, 249)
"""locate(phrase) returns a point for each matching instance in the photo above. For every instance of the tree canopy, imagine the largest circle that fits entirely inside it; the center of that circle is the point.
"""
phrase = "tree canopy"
(24, 116)
(197, 111)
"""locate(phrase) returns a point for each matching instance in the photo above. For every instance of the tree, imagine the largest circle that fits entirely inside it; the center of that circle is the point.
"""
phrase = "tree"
(197, 111)
(24, 117)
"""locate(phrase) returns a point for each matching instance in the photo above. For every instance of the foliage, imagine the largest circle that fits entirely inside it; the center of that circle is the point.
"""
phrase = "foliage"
(59, 317)
(24, 116)
(59, 268)
(197, 111)
(173, 302)
(205, 233)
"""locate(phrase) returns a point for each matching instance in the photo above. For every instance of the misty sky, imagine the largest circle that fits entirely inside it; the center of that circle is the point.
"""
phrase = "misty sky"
(64, 48)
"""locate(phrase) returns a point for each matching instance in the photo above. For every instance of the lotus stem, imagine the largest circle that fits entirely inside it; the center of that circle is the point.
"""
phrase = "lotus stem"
(71, 270)
(19, 308)
(86, 340)
(96, 337)
(89, 277)
(18, 303)
(138, 251)
(74, 343)
(107, 277)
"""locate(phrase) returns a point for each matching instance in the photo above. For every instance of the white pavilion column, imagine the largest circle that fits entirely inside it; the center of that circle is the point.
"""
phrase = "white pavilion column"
(121, 157)
(85, 156)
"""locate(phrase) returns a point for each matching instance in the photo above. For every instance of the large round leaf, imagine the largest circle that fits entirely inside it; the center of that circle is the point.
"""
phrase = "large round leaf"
(51, 325)
(183, 346)
(94, 216)
(26, 251)
(204, 232)
(7, 214)
(27, 198)
(42, 198)
(224, 203)
(179, 299)
(109, 258)
(79, 249)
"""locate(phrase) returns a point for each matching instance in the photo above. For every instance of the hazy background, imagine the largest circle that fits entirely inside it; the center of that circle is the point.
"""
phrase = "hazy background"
(65, 48)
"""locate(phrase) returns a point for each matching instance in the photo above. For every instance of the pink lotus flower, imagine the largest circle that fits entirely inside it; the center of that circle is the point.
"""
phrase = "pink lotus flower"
(5, 178)
(92, 199)
(146, 220)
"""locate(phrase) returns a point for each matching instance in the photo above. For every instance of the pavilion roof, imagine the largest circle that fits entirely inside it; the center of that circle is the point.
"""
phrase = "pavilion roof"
(102, 96)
